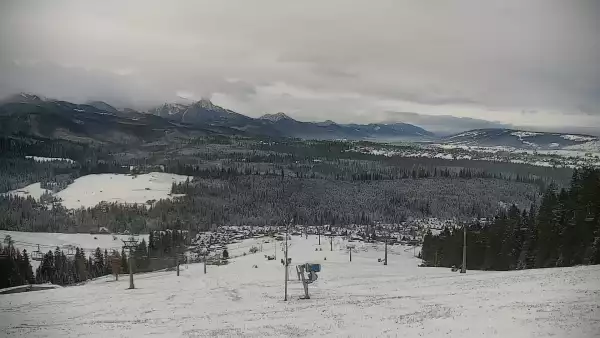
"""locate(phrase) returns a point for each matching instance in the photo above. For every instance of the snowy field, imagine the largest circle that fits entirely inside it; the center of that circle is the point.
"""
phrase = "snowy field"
(361, 298)
(88, 191)
(34, 190)
(49, 241)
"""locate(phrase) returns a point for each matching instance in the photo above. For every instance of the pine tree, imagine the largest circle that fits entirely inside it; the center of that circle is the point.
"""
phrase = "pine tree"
(546, 228)
(81, 273)
(99, 263)
(107, 265)
(26, 270)
(91, 268)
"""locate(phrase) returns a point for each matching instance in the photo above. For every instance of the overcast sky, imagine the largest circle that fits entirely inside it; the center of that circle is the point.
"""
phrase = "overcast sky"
(527, 63)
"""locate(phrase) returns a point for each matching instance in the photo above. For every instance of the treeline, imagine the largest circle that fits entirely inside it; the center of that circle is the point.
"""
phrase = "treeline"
(15, 267)
(21, 147)
(60, 268)
(344, 172)
(258, 200)
(64, 269)
(17, 172)
(563, 231)
(162, 250)
(267, 200)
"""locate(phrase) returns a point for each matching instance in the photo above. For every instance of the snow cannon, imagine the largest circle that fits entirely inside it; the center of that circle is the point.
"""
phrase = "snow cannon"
(311, 267)
(312, 270)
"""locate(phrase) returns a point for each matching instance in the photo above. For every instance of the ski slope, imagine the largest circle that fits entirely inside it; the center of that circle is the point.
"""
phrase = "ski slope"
(361, 298)
(49, 241)
(90, 190)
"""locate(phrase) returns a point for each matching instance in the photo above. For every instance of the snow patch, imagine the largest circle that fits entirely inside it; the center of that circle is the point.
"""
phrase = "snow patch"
(467, 134)
(88, 191)
(49, 159)
(520, 134)
(578, 138)
(34, 191)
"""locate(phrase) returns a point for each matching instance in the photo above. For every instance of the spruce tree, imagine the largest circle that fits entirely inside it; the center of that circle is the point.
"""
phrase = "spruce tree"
(26, 269)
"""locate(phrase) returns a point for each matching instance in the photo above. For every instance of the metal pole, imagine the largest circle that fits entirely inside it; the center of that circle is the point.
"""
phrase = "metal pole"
(177, 264)
(286, 262)
(385, 260)
(331, 241)
(350, 254)
(305, 284)
(131, 286)
(463, 269)
(319, 236)
(205, 264)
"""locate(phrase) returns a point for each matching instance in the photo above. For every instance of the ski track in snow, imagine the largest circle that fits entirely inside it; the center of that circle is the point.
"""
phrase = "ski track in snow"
(361, 298)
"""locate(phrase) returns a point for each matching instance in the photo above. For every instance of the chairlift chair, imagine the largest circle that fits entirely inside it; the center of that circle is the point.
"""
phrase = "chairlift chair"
(70, 250)
(37, 254)
(589, 217)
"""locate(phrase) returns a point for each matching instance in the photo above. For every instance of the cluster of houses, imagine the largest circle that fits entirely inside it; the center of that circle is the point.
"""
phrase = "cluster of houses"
(410, 232)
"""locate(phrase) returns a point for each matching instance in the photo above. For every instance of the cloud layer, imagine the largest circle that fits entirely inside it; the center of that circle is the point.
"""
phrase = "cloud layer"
(526, 63)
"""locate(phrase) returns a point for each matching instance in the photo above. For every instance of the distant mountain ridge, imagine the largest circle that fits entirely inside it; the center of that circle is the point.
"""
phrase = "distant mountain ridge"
(523, 139)
(280, 124)
(31, 116)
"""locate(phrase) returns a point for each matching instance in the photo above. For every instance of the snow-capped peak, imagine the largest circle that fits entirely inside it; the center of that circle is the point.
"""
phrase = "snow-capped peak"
(276, 117)
(24, 98)
(169, 109)
(207, 104)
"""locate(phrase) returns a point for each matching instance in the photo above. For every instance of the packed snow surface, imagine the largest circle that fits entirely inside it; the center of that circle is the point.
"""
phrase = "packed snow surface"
(362, 298)
(88, 191)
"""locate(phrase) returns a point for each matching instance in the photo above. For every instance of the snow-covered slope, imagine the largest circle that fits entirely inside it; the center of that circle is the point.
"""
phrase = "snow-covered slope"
(591, 146)
(275, 117)
(89, 190)
(169, 109)
(519, 139)
(361, 298)
(34, 190)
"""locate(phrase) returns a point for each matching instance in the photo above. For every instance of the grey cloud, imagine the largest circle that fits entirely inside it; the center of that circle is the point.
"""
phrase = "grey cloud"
(444, 124)
(510, 56)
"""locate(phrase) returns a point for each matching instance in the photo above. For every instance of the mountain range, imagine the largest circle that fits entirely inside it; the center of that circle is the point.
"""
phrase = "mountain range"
(33, 116)
(280, 124)
(98, 121)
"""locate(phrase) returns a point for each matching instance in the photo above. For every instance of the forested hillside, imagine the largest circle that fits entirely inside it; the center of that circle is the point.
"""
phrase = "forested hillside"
(75, 266)
(563, 231)
(257, 181)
